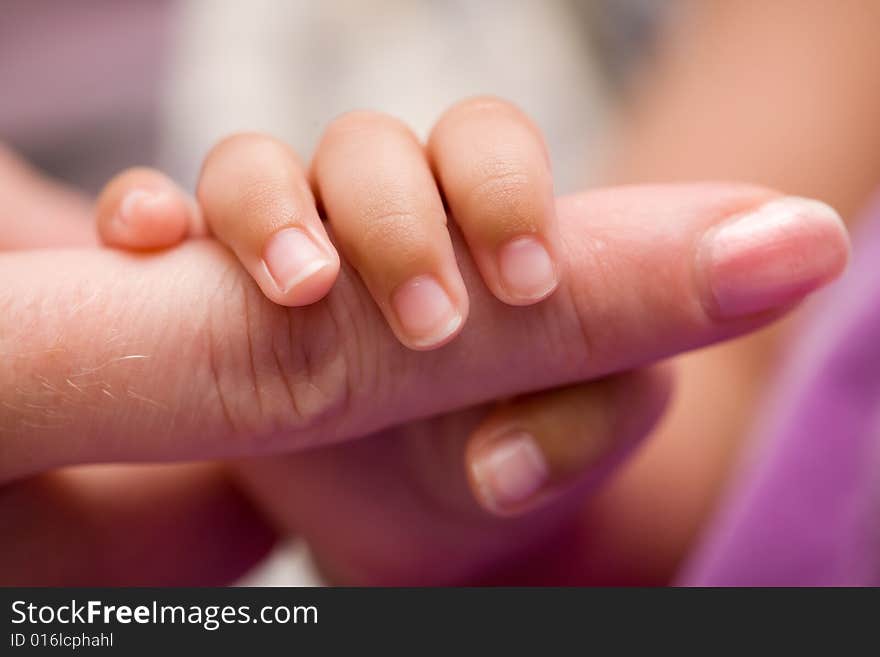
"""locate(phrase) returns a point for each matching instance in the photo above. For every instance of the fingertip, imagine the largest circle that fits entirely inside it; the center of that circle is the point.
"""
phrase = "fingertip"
(148, 220)
(552, 444)
(508, 473)
(772, 256)
(142, 209)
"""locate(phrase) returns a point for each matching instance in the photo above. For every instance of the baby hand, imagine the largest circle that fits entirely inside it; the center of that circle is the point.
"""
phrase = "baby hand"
(382, 193)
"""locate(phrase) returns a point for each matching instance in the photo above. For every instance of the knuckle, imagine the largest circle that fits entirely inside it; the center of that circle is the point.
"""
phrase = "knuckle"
(277, 372)
(504, 194)
(497, 179)
(588, 315)
(397, 239)
(391, 223)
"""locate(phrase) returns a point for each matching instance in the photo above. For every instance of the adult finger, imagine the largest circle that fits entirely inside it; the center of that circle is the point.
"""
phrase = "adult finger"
(178, 355)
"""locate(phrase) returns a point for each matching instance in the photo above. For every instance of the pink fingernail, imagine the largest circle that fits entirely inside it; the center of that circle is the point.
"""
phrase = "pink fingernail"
(137, 199)
(510, 472)
(425, 311)
(775, 255)
(291, 256)
(526, 269)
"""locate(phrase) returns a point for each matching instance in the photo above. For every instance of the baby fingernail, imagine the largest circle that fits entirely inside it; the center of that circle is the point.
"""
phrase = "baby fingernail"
(137, 200)
(291, 256)
(425, 311)
(527, 270)
(510, 471)
(775, 255)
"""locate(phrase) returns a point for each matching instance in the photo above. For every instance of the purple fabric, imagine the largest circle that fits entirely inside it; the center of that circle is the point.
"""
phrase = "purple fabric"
(805, 509)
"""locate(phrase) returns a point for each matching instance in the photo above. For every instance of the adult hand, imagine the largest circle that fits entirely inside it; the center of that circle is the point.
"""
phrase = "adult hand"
(178, 356)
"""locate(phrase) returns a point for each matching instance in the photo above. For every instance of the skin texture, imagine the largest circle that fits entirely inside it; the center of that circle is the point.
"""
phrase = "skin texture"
(380, 197)
(189, 363)
(170, 214)
(778, 111)
(492, 164)
(253, 187)
(103, 550)
(506, 171)
(243, 396)
(113, 521)
(382, 193)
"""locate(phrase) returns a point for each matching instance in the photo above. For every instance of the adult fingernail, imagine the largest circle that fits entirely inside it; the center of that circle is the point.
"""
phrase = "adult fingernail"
(425, 312)
(509, 471)
(527, 270)
(291, 256)
(775, 255)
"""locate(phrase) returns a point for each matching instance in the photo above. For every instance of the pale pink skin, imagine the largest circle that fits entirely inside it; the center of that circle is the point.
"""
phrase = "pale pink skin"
(631, 286)
(191, 381)
(632, 295)
(147, 525)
